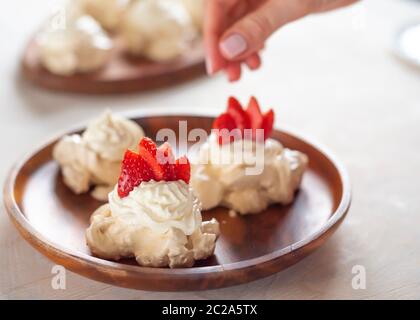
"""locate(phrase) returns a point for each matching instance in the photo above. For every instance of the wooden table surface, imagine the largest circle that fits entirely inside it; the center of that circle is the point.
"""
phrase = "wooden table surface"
(332, 77)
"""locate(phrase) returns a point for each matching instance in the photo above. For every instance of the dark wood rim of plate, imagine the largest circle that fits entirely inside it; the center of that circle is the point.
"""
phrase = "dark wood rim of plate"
(122, 74)
(162, 279)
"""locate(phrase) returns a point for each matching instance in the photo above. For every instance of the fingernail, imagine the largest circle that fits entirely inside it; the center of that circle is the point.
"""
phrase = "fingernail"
(209, 67)
(233, 46)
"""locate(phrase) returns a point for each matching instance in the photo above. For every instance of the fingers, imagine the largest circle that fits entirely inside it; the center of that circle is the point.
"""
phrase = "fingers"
(234, 71)
(322, 6)
(213, 28)
(253, 62)
(215, 24)
(228, 46)
(249, 33)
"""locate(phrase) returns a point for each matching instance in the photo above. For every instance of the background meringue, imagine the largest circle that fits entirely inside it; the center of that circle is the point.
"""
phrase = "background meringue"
(94, 158)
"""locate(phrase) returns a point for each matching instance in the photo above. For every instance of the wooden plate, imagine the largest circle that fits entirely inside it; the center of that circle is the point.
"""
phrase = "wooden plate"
(53, 220)
(122, 74)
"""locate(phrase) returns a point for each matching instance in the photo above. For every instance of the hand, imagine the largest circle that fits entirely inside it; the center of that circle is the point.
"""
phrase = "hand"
(235, 30)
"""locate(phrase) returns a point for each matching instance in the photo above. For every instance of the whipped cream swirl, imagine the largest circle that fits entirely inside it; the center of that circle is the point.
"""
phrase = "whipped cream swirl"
(82, 46)
(107, 12)
(94, 158)
(110, 135)
(159, 30)
(159, 206)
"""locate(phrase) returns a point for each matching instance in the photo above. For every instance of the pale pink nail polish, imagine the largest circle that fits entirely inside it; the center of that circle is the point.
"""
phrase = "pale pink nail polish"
(233, 46)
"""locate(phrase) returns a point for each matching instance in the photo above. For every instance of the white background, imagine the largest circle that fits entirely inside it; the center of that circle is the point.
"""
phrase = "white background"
(332, 77)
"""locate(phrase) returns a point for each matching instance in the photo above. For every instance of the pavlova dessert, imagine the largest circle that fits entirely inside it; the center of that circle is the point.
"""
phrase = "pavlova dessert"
(159, 30)
(152, 214)
(109, 13)
(94, 157)
(240, 167)
(81, 37)
(196, 10)
(80, 45)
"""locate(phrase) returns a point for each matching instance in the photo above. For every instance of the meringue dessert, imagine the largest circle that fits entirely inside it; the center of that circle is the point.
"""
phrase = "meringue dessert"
(94, 157)
(152, 214)
(108, 13)
(196, 10)
(159, 30)
(79, 47)
(246, 174)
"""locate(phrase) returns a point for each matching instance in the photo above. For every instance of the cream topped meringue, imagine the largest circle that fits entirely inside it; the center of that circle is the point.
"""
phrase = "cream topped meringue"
(221, 176)
(107, 12)
(158, 223)
(79, 46)
(159, 206)
(159, 30)
(196, 10)
(109, 136)
(94, 158)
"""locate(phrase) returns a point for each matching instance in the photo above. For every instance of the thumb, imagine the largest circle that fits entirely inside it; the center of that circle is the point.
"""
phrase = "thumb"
(249, 34)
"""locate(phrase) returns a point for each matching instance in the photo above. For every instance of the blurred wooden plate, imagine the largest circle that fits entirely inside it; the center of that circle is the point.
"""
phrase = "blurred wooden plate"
(122, 74)
(53, 220)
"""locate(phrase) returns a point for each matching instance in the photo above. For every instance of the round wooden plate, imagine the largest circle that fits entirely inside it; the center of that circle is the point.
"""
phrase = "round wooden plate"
(53, 220)
(122, 74)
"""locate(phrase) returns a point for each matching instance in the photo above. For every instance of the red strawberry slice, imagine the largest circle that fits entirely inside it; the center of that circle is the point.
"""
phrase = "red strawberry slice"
(239, 115)
(134, 170)
(147, 145)
(267, 124)
(247, 120)
(151, 163)
(169, 172)
(164, 154)
(147, 149)
(166, 159)
(154, 166)
(254, 113)
(183, 169)
(224, 121)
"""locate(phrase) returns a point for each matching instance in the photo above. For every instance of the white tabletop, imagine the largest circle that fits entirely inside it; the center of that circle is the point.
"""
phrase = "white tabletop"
(332, 77)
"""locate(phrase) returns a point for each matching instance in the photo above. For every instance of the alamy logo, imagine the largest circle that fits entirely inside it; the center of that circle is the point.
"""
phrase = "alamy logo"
(58, 282)
(58, 19)
(237, 147)
(358, 281)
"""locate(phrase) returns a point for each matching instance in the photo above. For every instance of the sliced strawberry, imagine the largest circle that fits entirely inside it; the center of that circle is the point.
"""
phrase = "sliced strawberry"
(234, 103)
(238, 114)
(166, 159)
(267, 124)
(224, 121)
(169, 172)
(183, 169)
(147, 149)
(246, 122)
(254, 113)
(256, 118)
(147, 144)
(164, 154)
(134, 170)
(144, 166)
(155, 167)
